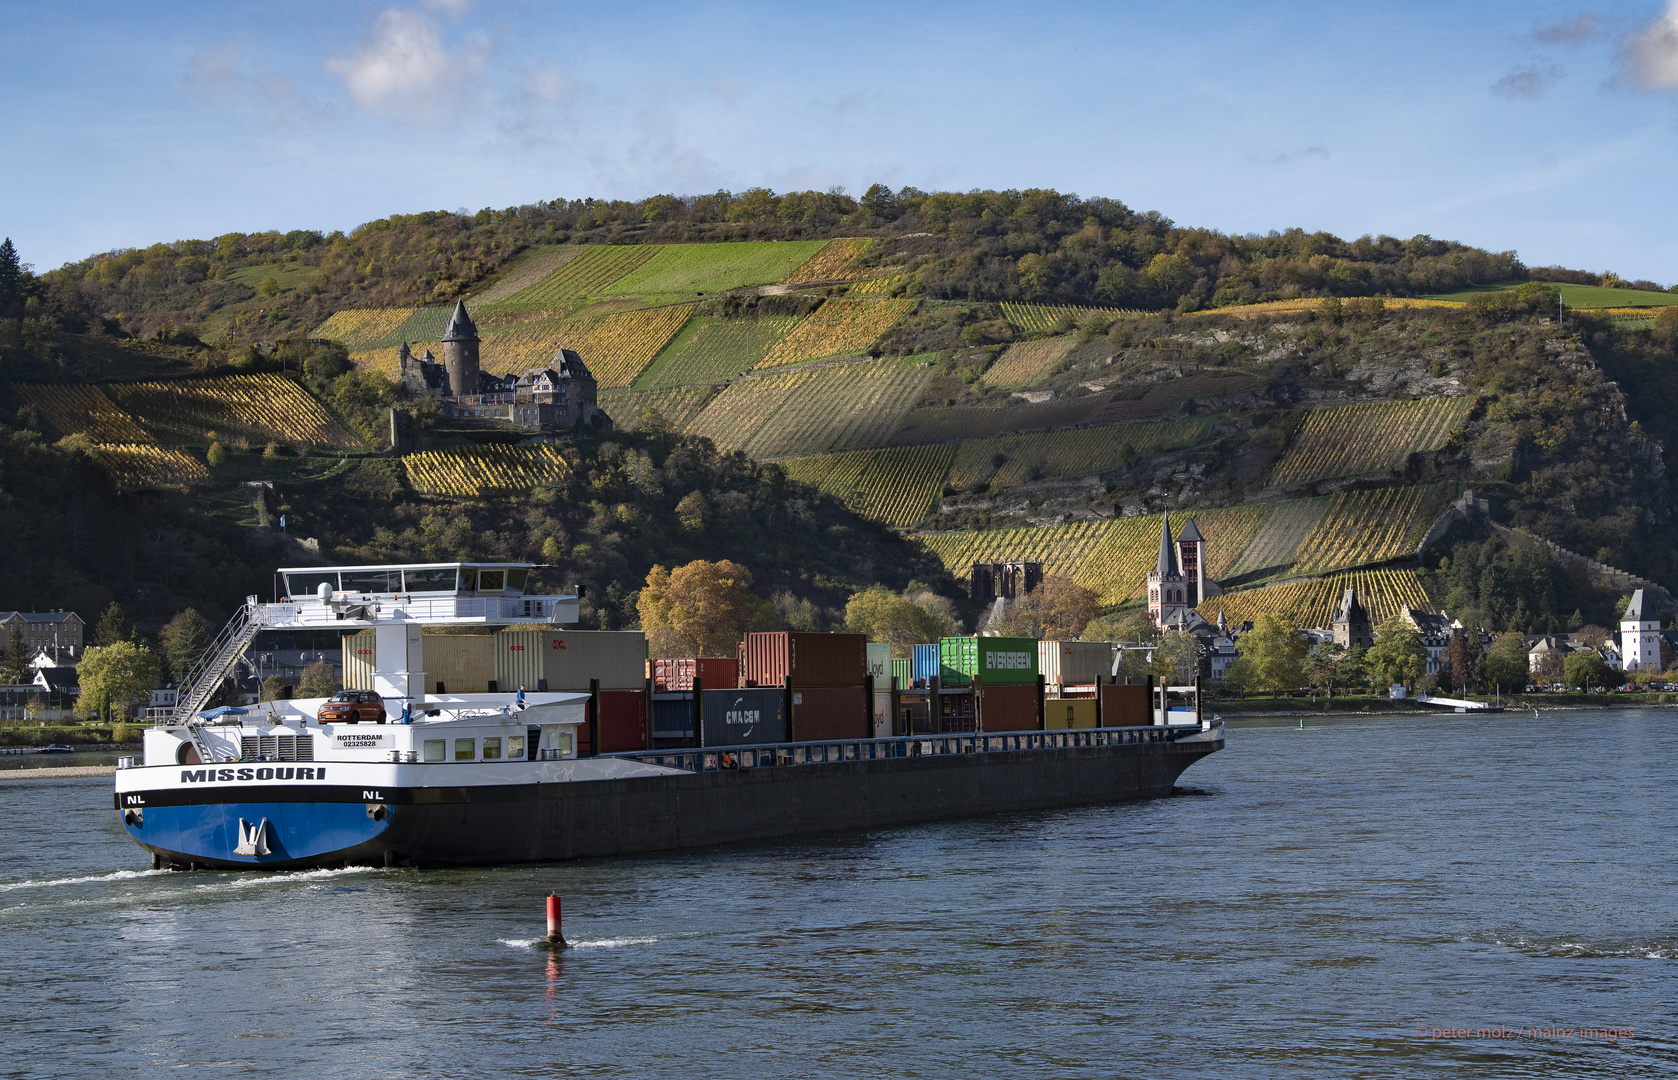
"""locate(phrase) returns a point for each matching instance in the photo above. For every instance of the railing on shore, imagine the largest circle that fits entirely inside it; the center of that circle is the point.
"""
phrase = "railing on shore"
(711, 758)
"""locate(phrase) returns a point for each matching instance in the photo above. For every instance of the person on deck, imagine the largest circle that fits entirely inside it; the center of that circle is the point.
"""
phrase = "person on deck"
(520, 701)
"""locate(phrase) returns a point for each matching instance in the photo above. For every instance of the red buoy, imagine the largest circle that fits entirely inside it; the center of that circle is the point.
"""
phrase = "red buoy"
(555, 939)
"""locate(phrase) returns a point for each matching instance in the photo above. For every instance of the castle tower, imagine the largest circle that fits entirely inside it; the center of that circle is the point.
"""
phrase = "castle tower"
(1351, 622)
(460, 353)
(1168, 602)
(1191, 556)
(1640, 640)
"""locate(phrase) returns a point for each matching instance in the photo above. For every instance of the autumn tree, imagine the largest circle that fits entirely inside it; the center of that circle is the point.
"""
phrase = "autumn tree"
(318, 680)
(116, 677)
(1057, 610)
(1398, 655)
(1178, 658)
(701, 609)
(1274, 649)
(1585, 668)
(1323, 665)
(900, 620)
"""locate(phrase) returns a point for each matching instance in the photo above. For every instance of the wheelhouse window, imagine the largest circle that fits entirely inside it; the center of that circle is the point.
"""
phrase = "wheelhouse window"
(492, 749)
(305, 586)
(437, 579)
(491, 580)
(516, 580)
(465, 749)
(373, 581)
(468, 579)
(433, 749)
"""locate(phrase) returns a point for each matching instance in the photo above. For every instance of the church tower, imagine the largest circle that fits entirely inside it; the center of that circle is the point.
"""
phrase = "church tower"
(460, 353)
(1168, 602)
(1191, 557)
(1640, 638)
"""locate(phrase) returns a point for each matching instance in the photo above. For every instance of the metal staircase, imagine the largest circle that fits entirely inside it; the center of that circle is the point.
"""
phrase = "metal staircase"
(205, 678)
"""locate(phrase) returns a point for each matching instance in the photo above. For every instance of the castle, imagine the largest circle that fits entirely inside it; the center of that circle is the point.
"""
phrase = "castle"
(560, 397)
(1179, 582)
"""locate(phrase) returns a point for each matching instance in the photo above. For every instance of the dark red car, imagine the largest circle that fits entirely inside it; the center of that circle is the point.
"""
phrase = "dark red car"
(350, 706)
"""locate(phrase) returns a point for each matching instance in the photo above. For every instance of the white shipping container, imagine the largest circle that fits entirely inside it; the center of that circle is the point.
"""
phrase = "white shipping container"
(1074, 663)
(879, 664)
(618, 658)
(882, 714)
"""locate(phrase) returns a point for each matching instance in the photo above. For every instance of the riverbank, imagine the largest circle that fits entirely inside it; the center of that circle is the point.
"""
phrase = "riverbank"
(91, 736)
(1259, 708)
(51, 773)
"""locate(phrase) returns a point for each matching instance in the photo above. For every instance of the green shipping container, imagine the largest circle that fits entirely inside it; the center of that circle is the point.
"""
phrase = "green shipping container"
(998, 661)
(903, 672)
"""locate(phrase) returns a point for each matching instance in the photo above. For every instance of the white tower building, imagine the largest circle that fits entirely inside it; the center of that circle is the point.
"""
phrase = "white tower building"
(1640, 640)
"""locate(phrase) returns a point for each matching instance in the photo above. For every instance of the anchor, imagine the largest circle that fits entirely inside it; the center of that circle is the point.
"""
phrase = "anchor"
(253, 839)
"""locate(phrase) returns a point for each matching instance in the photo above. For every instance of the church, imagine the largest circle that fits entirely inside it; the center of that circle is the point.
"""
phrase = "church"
(1178, 583)
(562, 397)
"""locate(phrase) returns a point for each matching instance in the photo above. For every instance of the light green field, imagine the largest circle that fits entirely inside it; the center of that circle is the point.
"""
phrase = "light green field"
(709, 268)
(1576, 296)
(711, 350)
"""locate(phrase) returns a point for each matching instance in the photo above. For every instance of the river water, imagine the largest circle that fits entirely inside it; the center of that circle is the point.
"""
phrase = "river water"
(1311, 903)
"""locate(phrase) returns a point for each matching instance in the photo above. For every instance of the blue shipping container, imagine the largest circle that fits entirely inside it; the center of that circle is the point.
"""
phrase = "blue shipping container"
(745, 717)
(926, 661)
(672, 717)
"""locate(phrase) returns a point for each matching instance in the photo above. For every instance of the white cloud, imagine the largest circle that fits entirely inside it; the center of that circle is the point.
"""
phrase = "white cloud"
(1529, 82)
(454, 9)
(1650, 55)
(1572, 32)
(406, 71)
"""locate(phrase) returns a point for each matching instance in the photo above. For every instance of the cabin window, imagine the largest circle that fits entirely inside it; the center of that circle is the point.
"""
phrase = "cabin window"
(433, 749)
(491, 580)
(515, 747)
(516, 580)
(492, 749)
(299, 586)
(468, 579)
(465, 749)
(438, 580)
(373, 581)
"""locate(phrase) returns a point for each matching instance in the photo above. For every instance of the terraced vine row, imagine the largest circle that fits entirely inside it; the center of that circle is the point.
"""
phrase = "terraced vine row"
(83, 410)
(678, 405)
(143, 466)
(1312, 604)
(1024, 361)
(837, 328)
(588, 274)
(617, 347)
(1278, 307)
(811, 410)
(875, 287)
(835, 262)
(1062, 549)
(897, 487)
(1043, 318)
(1366, 438)
(471, 472)
(362, 329)
(1363, 527)
(711, 350)
(265, 406)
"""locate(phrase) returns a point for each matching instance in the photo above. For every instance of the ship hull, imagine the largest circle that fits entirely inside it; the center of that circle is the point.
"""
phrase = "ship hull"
(383, 818)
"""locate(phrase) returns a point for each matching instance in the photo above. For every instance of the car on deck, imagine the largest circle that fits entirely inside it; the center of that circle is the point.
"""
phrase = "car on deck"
(352, 706)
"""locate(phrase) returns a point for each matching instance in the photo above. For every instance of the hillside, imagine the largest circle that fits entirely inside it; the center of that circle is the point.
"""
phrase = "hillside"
(962, 385)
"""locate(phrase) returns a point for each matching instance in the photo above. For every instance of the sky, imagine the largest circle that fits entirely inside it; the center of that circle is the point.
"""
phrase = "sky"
(1544, 128)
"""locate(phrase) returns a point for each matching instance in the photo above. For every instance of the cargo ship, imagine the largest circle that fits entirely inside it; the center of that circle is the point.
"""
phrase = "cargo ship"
(532, 744)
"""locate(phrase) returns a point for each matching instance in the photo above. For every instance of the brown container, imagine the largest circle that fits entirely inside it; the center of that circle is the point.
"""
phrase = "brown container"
(1062, 713)
(1125, 706)
(809, 659)
(955, 713)
(676, 675)
(1008, 708)
(830, 712)
(462, 663)
(623, 720)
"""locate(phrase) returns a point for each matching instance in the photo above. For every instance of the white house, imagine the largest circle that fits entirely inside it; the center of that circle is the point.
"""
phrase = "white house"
(1640, 636)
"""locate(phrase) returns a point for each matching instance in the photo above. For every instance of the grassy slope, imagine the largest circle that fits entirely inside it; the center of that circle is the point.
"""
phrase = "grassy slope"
(1577, 296)
(708, 268)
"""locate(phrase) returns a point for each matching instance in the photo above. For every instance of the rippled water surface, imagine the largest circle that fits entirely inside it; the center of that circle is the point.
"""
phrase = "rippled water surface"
(1312, 903)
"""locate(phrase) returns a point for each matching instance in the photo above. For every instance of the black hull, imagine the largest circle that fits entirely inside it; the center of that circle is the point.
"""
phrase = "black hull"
(556, 822)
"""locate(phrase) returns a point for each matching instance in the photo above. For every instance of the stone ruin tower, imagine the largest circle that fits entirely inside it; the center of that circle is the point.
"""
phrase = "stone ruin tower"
(460, 353)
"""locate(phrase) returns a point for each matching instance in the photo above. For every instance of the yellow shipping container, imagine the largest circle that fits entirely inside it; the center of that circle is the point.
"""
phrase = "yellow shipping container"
(1062, 713)
(460, 663)
(358, 661)
(518, 659)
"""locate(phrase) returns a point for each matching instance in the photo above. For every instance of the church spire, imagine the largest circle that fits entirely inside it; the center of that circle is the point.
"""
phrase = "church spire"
(1167, 550)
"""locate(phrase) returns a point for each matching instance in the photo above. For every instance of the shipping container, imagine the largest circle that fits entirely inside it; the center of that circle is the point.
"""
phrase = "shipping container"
(461, 663)
(1074, 663)
(358, 661)
(672, 716)
(998, 661)
(714, 672)
(914, 716)
(1125, 706)
(1008, 708)
(623, 721)
(879, 664)
(882, 714)
(518, 660)
(1061, 713)
(618, 658)
(955, 712)
(808, 659)
(925, 662)
(830, 712)
(742, 717)
(904, 672)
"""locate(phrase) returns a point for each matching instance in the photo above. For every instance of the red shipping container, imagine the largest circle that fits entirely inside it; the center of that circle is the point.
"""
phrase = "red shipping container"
(676, 675)
(1008, 708)
(810, 659)
(1125, 706)
(623, 720)
(830, 712)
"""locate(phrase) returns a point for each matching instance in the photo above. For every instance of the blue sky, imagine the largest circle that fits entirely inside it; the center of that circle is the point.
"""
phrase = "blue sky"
(1545, 128)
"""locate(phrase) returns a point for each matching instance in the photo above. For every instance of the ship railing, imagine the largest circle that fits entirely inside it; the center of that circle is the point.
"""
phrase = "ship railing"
(712, 758)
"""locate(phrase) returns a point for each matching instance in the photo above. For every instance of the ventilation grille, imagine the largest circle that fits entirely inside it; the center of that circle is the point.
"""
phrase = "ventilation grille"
(277, 747)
